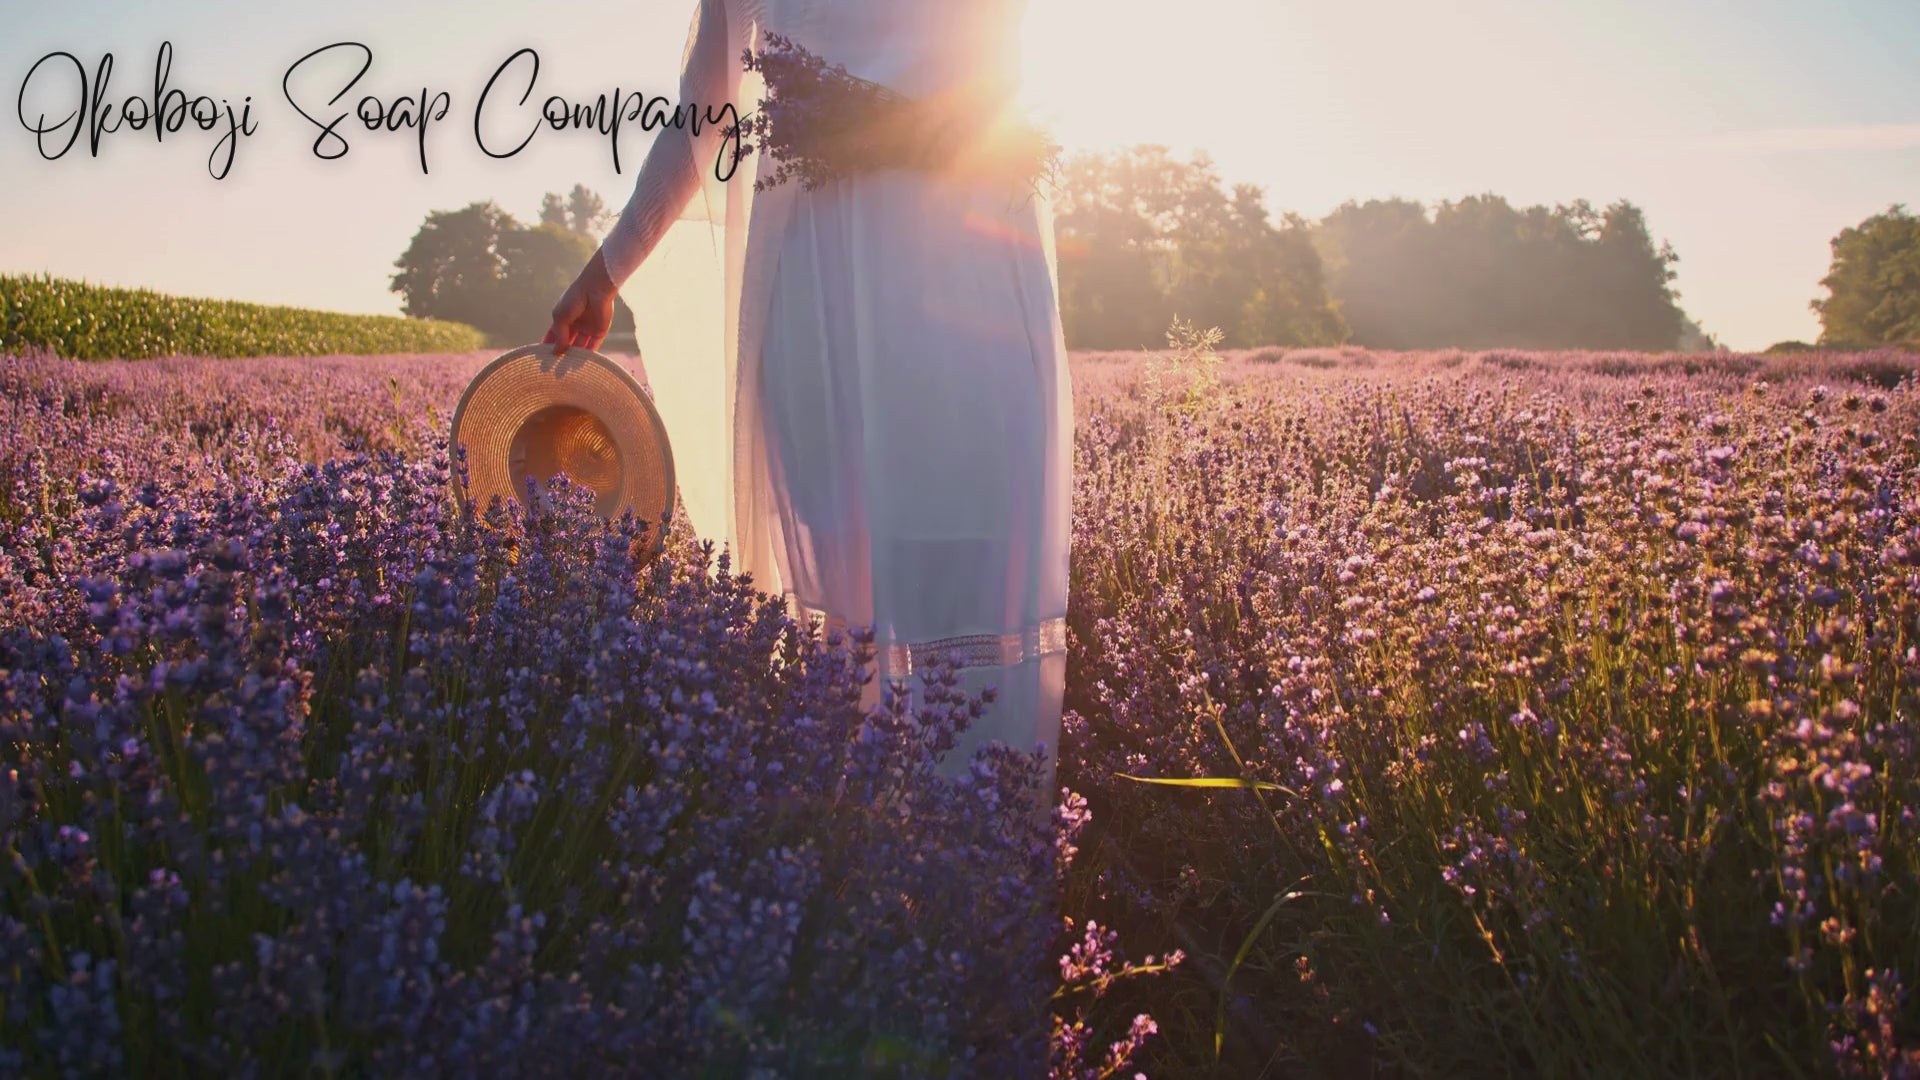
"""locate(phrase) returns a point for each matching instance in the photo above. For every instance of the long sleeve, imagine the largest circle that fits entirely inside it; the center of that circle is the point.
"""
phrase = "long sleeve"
(670, 176)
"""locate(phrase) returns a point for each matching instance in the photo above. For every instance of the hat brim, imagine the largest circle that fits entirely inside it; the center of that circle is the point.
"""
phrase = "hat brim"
(514, 401)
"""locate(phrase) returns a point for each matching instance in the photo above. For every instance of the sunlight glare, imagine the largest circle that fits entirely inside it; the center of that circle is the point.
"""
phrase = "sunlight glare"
(1103, 73)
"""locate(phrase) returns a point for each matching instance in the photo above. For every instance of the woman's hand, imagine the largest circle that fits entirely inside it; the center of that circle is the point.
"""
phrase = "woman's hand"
(585, 310)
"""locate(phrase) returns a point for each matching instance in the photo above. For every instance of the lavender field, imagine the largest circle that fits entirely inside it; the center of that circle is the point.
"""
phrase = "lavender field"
(1441, 714)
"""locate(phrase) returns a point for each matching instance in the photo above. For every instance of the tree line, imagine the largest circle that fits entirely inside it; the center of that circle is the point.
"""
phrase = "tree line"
(1873, 287)
(1145, 238)
(481, 266)
(1482, 273)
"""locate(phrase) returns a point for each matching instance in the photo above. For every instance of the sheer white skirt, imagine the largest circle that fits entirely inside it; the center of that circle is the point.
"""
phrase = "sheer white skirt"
(916, 406)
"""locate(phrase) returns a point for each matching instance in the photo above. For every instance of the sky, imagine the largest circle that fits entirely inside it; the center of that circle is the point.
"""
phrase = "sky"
(1750, 132)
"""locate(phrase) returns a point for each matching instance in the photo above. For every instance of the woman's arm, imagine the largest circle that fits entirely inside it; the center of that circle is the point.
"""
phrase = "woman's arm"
(670, 176)
(666, 183)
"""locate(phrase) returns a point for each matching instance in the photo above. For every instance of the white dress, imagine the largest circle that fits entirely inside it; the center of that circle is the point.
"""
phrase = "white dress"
(866, 384)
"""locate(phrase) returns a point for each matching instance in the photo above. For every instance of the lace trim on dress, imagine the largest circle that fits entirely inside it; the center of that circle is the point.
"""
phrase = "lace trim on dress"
(963, 651)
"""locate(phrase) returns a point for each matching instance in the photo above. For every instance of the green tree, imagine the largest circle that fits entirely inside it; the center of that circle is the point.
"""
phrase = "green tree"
(586, 214)
(1873, 285)
(1375, 253)
(1479, 272)
(480, 266)
(582, 213)
(1282, 295)
(1145, 237)
(1113, 254)
(453, 268)
(540, 263)
(580, 210)
(1633, 285)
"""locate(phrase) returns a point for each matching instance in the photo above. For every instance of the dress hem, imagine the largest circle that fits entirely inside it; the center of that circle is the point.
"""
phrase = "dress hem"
(899, 660)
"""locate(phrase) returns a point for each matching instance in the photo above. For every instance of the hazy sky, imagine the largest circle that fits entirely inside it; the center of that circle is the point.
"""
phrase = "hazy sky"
(1749, 131)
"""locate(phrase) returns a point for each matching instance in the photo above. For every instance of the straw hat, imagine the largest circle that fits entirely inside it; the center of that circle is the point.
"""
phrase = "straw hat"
(531, 414)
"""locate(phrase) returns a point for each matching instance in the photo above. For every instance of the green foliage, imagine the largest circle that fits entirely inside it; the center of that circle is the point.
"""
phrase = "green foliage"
(1185, 378)
(1481, 273)
(1573, 665)
(93, 322)
(481, 266)
(452, 268)
(538, 265)
(580, 210)
(1874, 284)
(1144, 238)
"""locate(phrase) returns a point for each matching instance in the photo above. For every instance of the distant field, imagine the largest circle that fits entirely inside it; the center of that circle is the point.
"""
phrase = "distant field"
(93, 322)
(1883, 367)
(1559, 716)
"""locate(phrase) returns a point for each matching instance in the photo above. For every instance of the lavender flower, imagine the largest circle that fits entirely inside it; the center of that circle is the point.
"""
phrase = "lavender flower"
(302, 769)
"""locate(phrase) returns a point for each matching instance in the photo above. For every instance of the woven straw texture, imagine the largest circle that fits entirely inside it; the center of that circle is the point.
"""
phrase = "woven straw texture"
(530, 413)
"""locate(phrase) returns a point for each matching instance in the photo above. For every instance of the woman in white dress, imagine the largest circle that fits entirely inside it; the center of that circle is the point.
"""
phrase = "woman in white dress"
(870, 403)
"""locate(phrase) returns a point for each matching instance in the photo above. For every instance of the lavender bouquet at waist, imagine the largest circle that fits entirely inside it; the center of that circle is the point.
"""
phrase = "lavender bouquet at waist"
(820, 124)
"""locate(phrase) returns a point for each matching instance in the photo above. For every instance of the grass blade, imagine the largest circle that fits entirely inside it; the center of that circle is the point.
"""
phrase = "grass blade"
(1210, 782)
(1239, 957)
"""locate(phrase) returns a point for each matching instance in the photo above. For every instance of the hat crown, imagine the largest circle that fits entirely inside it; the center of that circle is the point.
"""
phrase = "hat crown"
(531, 415)
(571, 440)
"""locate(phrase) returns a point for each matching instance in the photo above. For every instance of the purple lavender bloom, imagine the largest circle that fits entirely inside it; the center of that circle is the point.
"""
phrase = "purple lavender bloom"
(304, 769)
